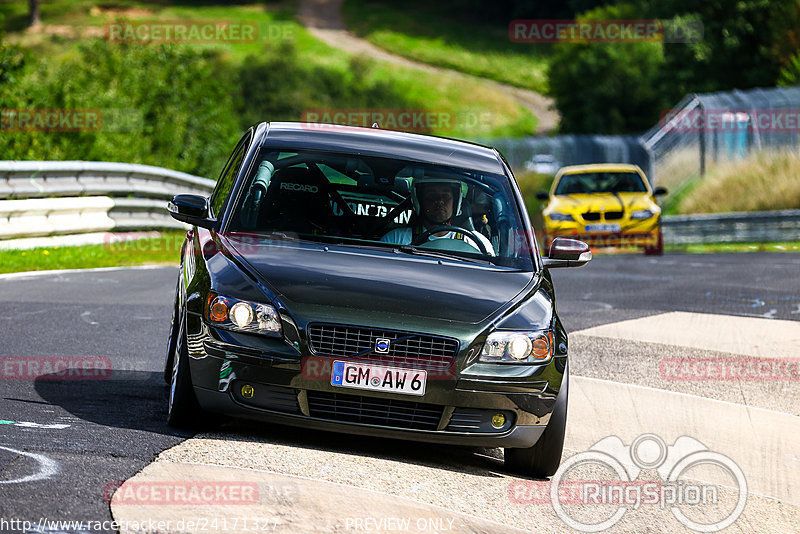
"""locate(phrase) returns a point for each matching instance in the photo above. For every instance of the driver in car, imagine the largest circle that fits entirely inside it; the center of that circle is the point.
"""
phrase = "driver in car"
(436, 202)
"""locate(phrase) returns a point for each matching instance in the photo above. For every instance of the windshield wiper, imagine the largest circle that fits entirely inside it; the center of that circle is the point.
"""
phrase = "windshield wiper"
(410, 249)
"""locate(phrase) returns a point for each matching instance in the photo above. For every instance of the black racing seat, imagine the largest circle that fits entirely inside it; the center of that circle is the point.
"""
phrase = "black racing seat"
(297, 201)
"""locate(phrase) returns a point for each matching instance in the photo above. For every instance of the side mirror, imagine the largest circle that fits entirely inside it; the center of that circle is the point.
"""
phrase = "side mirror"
(658, 191)
(191, 209)
(566, 252)
(542, 195)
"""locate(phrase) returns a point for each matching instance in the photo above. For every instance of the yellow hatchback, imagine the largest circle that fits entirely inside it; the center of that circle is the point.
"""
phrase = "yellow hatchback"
(606, 205)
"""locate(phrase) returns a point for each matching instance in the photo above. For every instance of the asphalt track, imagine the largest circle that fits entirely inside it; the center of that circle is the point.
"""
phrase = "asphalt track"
(64, 444)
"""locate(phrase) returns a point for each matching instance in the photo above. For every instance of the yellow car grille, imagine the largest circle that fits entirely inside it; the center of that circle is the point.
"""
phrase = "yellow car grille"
(599, 216)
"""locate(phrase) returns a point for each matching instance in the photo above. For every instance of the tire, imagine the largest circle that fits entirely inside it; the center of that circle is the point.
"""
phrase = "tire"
(171, 343)
(183, 411)
(658, 249)
(543, 458)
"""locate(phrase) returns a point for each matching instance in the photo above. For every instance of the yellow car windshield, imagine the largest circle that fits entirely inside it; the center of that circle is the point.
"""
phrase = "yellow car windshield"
(600, 182)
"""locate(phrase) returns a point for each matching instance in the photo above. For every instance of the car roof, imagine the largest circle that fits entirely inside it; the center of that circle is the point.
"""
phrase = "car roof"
(600, 167)
(387, 143)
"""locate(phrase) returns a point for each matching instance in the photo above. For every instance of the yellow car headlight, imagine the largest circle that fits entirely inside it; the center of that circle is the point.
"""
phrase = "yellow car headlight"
(556, 216)
(641, 214)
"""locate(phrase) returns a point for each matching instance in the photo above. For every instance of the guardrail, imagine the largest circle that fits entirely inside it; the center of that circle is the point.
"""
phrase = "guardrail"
(48, 198)
(741, 227)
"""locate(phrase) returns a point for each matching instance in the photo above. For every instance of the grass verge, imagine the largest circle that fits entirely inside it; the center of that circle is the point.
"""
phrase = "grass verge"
(161, 250)
(761, 182)
(714, 248)
(430, 33)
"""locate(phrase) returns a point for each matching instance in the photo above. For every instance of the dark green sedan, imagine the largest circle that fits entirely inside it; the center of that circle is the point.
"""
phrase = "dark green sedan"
(371, 282)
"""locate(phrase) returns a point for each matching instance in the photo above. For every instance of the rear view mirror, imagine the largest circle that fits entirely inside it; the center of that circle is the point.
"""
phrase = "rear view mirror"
(542, 195)
(658, 191)
(566, 252)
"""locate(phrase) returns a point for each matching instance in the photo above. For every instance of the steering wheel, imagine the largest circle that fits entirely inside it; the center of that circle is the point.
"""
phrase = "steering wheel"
(424, 236)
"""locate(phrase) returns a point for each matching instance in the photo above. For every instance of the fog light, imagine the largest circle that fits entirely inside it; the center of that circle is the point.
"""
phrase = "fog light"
(498, 420)
(248, 391)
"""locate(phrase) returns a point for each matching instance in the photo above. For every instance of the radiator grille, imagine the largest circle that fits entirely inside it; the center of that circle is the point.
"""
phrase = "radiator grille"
(405, 348)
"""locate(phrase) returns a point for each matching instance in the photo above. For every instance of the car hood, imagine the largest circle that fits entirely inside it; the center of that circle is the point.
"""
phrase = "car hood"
(602, 202)
(337, 283)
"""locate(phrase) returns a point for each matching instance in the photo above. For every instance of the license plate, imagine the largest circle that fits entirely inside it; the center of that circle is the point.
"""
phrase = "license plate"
(378, 378)
(602, 228)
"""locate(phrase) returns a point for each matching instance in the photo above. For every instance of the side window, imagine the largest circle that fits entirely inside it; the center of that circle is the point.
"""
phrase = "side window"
(228, 177)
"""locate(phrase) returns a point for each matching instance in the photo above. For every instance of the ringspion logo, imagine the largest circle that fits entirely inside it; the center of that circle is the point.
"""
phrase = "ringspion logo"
(579, 482)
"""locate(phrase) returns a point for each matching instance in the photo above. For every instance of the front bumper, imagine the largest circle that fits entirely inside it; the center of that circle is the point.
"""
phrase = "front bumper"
(223, 403)
(640, 234)
(293, 387)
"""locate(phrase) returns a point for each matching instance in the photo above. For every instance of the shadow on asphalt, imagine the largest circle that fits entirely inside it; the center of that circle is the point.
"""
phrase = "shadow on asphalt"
(135, 400)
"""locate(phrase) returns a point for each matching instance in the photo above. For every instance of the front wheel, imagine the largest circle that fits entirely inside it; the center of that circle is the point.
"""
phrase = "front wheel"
(183, 411)
(542, 460)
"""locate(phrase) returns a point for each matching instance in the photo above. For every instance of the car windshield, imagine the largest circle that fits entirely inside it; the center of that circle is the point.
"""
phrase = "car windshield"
(600, 182)
(369, 201)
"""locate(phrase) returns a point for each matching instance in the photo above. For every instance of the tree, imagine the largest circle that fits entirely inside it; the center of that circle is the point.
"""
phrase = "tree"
(607, 87)
(745, 44)
(34, 19)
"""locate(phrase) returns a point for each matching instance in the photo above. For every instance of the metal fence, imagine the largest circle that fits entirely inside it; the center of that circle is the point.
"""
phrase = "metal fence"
(706, 129)
(700, 131)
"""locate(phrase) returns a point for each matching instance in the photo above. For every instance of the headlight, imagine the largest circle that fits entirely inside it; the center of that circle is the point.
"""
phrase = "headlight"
(556, 216)
(234, 314)
(518, 347)
(641, 214)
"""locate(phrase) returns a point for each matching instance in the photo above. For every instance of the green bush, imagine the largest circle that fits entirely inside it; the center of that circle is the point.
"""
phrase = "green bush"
(160, 105)
(275, 85)
(172, 106)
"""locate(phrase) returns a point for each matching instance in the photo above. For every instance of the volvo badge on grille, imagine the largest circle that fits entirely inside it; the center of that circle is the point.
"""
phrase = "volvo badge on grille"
(382, 345)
